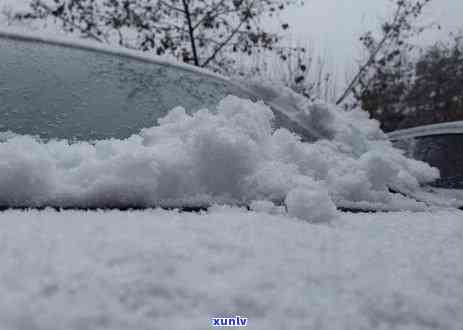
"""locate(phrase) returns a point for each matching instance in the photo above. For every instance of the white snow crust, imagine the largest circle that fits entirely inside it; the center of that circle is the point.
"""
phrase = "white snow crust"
(231, 154)
(167, 270)
(450, 128)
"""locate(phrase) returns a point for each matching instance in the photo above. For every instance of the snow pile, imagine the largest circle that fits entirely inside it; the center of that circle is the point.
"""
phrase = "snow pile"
(312, 205)
(229, 155)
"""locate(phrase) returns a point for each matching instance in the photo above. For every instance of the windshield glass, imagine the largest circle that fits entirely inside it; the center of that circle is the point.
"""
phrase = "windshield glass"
(61, 92)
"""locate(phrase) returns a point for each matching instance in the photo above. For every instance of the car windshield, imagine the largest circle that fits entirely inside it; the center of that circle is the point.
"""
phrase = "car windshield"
(80, 94)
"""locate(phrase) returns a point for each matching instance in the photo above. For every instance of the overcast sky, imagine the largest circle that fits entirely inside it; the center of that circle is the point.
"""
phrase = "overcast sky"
(335, 25)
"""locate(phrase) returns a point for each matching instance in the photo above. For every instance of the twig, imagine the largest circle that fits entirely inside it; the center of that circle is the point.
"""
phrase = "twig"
(89, 34)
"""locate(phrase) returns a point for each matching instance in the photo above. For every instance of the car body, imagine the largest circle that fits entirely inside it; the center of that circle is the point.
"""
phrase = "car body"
(440, 145)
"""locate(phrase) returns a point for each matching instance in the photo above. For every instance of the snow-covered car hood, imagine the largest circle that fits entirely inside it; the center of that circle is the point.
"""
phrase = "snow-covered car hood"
(157, 269)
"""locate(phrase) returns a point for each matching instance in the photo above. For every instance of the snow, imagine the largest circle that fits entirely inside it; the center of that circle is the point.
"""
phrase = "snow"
(441, 197)
(51, 35)
(267, 207)
(452, 195)
(158, 269)
(313, 205)
(231, 154)
(449, 128)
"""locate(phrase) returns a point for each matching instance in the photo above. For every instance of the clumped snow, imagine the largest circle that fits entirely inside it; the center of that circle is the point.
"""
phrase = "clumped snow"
(167, 270)
(310, 204)
(231, 154)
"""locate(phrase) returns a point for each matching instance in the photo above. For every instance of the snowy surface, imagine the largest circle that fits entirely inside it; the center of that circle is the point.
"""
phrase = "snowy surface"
(452, 194)
(59, 38)
(442, 197)
(455, 127)
(172, 271)
(231, 154)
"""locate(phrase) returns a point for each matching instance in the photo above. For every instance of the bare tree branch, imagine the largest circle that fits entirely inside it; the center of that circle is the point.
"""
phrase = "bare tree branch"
(88, 34)
(191, 32)
(371, 59)
(162, 2)
(221, 45)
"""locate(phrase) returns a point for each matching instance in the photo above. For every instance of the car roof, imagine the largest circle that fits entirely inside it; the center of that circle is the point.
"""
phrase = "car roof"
(90, 45)
(450, 128)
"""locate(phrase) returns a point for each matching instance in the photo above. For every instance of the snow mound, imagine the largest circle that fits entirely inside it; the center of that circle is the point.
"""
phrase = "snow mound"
(231, 154)
(312, 205)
